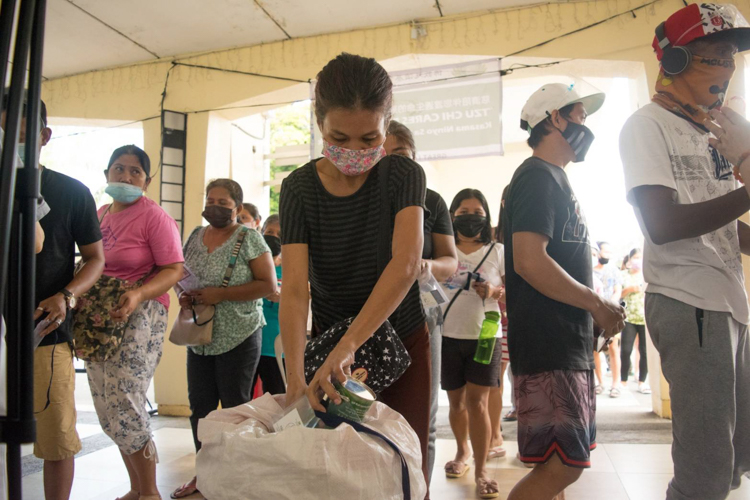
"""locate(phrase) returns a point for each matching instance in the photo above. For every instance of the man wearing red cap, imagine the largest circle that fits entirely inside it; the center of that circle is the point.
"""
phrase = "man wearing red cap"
(687, 203)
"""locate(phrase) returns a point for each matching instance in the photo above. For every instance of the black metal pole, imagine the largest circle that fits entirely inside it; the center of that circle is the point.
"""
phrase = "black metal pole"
(12, 125)
(7, 14)
(18, 200)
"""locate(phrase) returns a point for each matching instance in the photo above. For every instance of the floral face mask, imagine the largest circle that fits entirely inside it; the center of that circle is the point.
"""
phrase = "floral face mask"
(353, 161)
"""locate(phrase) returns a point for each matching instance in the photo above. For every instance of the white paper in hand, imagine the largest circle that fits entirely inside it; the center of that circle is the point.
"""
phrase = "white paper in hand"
(38, 332)
(189, 281)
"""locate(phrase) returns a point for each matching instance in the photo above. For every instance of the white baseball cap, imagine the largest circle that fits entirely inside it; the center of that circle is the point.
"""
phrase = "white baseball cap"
(554, 96)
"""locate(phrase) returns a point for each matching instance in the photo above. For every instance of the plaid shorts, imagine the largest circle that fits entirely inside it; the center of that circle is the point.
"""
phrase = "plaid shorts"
(556, 414)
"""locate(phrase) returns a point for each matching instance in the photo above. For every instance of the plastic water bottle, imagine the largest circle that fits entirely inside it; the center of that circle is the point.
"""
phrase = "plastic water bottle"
(486, 344)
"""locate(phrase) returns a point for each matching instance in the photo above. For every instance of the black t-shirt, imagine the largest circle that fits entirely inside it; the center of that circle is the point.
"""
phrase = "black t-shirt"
(439, 221)
(544, 334)
(71, 221)
(343, 235)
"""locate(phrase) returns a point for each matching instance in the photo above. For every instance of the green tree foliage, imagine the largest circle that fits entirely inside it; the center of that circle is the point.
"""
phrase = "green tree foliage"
(290, 126)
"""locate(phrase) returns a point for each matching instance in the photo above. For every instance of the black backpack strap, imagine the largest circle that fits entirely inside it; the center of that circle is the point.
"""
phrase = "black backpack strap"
(334, 421)
(468, 280)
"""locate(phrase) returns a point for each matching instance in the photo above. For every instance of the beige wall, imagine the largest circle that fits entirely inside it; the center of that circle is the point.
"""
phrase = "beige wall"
(134, 92)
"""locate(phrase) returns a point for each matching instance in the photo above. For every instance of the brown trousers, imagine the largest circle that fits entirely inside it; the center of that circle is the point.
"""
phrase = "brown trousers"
(410, 394)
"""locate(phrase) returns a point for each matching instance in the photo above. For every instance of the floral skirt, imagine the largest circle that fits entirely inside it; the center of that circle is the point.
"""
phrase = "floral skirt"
(119, 385)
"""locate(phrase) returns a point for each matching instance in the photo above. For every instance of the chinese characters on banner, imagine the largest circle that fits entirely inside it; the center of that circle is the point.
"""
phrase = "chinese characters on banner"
(453, 111)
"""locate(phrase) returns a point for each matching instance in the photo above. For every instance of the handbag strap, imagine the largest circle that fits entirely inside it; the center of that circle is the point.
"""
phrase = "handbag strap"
(79, 265)
(468, 280)
(334, 421)
(104, 213)
(233, 259)
(384, 247)
(204, 323)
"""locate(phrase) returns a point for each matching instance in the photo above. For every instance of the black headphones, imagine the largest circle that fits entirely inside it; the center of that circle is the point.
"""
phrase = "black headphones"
(674, 60)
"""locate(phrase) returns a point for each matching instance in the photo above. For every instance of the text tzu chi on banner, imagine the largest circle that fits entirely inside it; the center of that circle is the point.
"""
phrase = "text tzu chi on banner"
(453, 111)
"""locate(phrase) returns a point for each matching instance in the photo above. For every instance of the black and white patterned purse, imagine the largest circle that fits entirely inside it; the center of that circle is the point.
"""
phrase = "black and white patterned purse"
(383, 358)
(378, 363)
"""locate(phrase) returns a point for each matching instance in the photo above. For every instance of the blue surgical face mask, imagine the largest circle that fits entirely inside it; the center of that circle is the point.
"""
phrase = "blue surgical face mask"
(124, 193)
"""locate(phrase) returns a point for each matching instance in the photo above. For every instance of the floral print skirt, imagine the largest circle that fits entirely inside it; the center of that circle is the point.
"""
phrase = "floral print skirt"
(119, 385)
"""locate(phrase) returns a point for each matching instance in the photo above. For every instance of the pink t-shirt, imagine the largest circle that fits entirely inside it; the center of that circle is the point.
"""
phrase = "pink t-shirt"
(137, 239)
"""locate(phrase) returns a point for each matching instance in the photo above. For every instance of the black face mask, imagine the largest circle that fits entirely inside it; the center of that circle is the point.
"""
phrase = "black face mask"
(470, 225)
(603, 261)
(274, 243)
(218, 217)
(579, 138)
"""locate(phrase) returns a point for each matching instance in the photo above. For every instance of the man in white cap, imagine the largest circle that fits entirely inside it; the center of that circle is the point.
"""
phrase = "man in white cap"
(552, 309)
(687, 203)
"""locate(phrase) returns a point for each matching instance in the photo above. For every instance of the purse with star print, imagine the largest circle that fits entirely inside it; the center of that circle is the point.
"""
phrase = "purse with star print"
(378, 363)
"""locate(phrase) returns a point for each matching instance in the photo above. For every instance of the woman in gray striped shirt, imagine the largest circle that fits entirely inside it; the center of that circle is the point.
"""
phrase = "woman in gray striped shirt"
(330, 214)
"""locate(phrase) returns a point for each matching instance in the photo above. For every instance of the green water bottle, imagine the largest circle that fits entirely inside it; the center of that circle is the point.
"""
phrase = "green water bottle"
(486, 345)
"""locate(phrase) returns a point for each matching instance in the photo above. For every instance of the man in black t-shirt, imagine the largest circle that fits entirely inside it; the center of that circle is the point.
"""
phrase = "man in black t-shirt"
(550, 300)
(71, 221)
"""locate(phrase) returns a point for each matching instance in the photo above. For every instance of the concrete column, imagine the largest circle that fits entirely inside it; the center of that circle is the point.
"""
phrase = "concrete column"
(170, 380)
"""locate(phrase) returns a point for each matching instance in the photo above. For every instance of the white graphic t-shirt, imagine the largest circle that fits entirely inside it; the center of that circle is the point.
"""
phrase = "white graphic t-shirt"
(464, 321)
(658, 148)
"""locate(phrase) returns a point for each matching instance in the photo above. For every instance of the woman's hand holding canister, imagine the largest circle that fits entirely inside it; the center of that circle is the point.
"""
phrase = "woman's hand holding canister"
(337, 365)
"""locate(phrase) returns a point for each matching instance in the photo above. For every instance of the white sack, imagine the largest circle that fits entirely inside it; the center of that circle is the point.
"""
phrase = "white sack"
(241, 459)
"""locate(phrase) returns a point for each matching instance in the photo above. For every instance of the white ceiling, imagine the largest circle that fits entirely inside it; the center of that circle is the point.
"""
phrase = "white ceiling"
(86, 35)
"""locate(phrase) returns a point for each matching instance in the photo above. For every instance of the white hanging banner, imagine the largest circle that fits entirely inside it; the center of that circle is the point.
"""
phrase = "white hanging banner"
(454, 111)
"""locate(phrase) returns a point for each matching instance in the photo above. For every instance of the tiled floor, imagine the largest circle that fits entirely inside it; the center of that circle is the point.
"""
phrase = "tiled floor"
(619, 472)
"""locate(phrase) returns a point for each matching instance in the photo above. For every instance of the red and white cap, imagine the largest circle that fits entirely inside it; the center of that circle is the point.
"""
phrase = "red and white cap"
(699, 20)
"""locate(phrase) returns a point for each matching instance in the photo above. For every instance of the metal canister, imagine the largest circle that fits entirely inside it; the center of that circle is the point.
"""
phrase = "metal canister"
(356, 399)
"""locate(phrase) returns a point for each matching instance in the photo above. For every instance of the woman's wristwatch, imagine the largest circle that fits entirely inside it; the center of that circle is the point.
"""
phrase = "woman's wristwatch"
(70, 298)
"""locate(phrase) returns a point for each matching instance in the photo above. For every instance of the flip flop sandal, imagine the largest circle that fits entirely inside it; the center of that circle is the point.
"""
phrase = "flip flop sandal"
(598, 389)
(487, 488)
(511, 416)
(455, 465)
(614, 393)
(184, 491)
(496, 452)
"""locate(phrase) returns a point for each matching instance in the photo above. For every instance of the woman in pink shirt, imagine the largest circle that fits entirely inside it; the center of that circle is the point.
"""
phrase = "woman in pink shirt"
(140, 241)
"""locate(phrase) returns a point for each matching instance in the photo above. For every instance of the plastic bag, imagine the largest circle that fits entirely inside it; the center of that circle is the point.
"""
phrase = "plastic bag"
(430, 291)
(242, 458)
